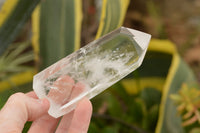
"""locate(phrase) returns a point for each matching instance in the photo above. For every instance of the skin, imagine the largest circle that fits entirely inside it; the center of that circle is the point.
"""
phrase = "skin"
(21, 108)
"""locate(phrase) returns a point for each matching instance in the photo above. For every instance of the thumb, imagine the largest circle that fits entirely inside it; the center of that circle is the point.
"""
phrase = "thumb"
(21, 108)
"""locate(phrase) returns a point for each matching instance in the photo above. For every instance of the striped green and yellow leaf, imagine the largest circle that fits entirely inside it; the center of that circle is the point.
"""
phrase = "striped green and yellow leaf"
(56, 28)
(112, 15)
(13, 15)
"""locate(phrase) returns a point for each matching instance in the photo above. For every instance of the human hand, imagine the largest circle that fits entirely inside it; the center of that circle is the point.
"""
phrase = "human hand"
(21, 108)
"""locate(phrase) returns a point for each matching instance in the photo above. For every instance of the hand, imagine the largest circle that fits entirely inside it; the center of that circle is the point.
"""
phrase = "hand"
(22, 107)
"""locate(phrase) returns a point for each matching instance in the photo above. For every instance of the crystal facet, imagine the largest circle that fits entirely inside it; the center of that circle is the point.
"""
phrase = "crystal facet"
(91, 69)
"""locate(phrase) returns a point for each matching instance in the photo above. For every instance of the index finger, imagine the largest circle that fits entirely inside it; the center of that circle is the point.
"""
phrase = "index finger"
(32, 94)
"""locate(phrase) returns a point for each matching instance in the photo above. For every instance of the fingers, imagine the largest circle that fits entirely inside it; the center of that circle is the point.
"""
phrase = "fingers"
(45, 124)
(80, 121)
(19, 108)
(61, 89)
(32, 94)
(81, 118)
(77, 90)
(65, 123)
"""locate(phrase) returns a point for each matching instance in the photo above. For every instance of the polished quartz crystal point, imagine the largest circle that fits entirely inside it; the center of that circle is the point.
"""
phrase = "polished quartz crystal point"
(91, 69)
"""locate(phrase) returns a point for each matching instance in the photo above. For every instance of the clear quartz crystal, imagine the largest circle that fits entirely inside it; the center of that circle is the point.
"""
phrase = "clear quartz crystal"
(91, 69)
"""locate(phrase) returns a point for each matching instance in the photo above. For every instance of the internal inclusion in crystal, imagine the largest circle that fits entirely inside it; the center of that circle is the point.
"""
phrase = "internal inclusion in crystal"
(102, 64)
(96, 66)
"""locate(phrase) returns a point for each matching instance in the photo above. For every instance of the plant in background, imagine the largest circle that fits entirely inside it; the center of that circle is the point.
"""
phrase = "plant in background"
(14, 60)
(188, 104)
(13, 15)
(15, 51)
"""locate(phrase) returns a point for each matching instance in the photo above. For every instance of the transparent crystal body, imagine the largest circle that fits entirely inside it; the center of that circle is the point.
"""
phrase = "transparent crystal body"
(91, 69)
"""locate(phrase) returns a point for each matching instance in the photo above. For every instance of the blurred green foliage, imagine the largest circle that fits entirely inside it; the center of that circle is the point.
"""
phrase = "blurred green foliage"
(138, 103)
